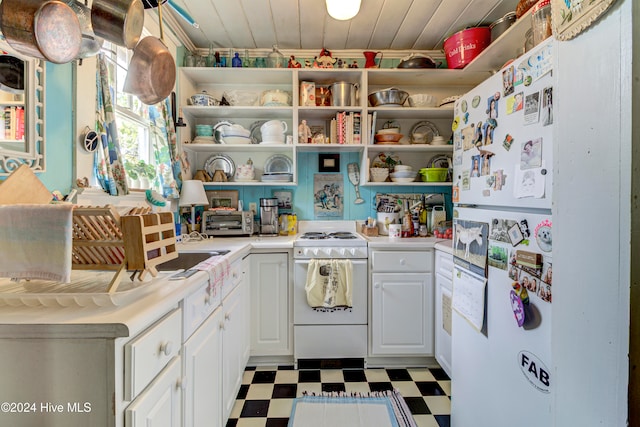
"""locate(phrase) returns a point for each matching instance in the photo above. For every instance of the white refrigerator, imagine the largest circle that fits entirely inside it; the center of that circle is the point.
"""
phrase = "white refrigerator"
(502, 281)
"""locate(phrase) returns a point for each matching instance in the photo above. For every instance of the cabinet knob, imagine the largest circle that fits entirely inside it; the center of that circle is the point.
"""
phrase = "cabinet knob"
(402, 261)
(182, 383)
(377, 285)
(166, 348)
(207, 300)
(227, 316)
(222, 326)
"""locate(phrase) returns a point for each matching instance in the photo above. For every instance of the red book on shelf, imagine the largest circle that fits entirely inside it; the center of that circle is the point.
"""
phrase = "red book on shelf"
(19, 123)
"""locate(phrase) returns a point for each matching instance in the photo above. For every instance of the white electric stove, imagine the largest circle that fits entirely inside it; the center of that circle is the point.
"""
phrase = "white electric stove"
(329, 239)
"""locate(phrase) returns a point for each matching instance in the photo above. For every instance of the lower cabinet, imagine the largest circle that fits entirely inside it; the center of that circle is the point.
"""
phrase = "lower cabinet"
(235, 345)
(161, 404)
(444, 287)
(270, 329)
(202, 354)
(402, 303)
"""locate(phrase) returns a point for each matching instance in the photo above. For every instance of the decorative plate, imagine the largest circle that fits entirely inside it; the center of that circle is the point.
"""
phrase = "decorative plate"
(256, 132)
(278, 164)
(449, 100)
(425, 126)
(220, 161)
(440, 161)
(571, 17)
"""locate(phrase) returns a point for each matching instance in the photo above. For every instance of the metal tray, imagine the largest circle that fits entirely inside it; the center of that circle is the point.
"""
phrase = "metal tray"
(278, 164)
(220, 161)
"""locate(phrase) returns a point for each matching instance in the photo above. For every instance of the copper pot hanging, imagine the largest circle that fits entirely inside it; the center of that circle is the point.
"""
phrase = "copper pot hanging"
(119, 21)
(152, 70)
(46, 29)
(91, 44)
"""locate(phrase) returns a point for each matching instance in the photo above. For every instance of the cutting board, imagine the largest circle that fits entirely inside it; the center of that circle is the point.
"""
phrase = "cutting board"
(23, 187)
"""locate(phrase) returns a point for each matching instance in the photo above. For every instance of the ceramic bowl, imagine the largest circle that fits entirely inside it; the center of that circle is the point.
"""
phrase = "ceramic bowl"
(236, 140)
(404, 174)
(378, 174)
(388, 131)
(402, 168)
(422, 100)
(388, 138)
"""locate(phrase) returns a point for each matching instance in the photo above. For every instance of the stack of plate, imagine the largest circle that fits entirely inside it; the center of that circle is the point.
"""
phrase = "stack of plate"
(278, 168)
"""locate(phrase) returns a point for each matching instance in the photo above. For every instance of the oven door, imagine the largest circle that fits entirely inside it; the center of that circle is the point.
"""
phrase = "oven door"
(303, 314)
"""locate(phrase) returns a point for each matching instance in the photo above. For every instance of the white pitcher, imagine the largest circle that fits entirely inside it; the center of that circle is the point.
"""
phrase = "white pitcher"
(273, 127)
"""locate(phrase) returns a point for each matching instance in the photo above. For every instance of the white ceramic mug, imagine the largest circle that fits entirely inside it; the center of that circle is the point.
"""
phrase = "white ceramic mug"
(394, 231)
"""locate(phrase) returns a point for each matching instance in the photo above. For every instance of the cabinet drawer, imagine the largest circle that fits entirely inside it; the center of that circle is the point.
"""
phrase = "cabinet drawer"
(402, 261)
(444, 263)
(235, 275)
(197, 307)
(149, 353)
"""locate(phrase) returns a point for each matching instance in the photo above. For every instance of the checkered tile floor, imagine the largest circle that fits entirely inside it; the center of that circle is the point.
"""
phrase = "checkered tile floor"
(267, 393)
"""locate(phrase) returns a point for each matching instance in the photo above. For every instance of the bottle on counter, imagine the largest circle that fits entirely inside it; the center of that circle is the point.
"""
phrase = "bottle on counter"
(284, 225)
(407, 221)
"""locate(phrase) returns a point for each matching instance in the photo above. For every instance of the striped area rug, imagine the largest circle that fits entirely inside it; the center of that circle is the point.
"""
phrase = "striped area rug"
(380, 409)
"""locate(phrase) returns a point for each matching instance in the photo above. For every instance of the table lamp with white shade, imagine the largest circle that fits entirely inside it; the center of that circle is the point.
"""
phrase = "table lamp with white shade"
(193, 194)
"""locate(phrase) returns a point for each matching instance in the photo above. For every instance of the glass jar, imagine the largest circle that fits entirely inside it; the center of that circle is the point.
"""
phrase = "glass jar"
(528, 40)
(189, 60)
(541, 21)
(275, 59)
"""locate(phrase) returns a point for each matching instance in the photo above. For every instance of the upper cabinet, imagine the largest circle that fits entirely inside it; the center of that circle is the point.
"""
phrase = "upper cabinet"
(22, 82)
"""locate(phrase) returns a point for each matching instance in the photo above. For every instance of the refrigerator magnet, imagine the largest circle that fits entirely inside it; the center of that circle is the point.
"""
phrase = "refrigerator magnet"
(475, 101)
(515, 234)
(543, 235)
(508, 141)
(517, 307)
(492, 106)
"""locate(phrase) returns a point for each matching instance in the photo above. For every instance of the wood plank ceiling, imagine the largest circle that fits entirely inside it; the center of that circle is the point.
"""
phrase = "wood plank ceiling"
(305, 24)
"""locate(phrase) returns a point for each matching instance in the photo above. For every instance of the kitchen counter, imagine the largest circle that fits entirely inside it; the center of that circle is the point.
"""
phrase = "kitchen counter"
(445, 245)
(409, 243)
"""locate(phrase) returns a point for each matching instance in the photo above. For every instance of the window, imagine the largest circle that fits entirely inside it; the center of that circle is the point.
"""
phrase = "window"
(132, 119)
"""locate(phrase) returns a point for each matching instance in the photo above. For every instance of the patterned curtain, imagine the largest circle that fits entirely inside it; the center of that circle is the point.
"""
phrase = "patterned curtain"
(108, 165)
(165, 150)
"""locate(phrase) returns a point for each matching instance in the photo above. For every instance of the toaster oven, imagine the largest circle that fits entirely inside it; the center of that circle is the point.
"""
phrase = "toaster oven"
(227, 223)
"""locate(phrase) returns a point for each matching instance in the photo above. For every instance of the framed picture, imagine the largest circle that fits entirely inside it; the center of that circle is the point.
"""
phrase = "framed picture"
(285, 199)
(571, 17)
(328, 162)
(515, 234)
(223, 199)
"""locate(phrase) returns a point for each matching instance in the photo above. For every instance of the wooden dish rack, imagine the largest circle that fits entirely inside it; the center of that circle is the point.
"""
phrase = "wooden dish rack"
(105, 240)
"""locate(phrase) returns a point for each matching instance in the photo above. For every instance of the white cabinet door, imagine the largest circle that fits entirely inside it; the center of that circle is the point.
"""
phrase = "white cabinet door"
(202, 355)
(270, 304)
(161, 404)
(402, 314)
(443, 322)
(232, 347)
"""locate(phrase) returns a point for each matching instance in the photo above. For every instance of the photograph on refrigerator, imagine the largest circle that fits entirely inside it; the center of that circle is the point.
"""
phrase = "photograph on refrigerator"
(470, 242)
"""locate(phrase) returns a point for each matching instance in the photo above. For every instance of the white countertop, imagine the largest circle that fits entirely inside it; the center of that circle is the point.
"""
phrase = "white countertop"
(156, 296)
(445, 245)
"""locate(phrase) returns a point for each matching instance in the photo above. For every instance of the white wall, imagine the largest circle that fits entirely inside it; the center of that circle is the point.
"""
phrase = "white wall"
(592, 106)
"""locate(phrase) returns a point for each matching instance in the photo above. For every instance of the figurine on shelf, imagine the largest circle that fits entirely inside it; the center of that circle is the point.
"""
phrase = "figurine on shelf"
(307, 63)
(304, 133)
(354, 64)
(325, 60)
(315, 62)
(293, 63)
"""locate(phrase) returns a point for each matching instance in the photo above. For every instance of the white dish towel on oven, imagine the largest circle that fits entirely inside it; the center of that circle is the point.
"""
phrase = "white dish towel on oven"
(329, 283)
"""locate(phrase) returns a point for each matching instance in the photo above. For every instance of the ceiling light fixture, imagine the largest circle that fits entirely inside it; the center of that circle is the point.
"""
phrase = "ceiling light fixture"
(343, 9)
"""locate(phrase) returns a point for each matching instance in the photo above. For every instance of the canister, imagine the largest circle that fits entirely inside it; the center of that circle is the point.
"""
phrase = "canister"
(307, 94)
(541, 21)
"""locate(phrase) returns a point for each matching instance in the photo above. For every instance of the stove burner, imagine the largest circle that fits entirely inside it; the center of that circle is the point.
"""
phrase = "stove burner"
(314, 235)
(342, 235)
